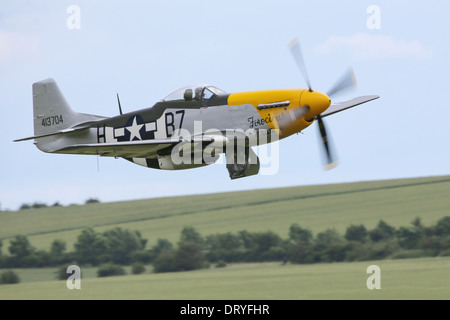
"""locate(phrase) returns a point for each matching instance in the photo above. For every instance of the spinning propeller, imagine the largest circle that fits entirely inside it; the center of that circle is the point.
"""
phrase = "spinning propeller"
(346, 82)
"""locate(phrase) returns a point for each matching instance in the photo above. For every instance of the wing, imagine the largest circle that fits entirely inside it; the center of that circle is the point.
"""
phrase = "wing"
(130, 149)
(341, 106)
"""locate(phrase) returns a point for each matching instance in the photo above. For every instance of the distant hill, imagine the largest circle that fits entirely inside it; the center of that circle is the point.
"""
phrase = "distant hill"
(316, 207)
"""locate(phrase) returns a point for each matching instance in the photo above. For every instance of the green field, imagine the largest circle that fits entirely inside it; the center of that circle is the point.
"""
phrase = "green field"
(425, 278)
(319, 207)
(337, 206)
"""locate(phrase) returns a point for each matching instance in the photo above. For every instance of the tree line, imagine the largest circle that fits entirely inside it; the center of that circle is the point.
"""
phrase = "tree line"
(39, 205)
(121, 247)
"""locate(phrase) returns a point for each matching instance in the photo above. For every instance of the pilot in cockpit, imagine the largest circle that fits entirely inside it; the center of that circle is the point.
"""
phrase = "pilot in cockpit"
(189, 96)
(198, 94)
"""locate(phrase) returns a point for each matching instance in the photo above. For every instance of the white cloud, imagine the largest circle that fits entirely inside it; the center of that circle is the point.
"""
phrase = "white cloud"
(364, 46)
(17, 46)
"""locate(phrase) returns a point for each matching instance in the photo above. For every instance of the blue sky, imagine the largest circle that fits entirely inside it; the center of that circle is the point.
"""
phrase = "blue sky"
(147, 49)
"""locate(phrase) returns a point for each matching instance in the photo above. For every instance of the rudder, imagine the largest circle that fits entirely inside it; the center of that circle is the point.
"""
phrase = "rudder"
(51, 110)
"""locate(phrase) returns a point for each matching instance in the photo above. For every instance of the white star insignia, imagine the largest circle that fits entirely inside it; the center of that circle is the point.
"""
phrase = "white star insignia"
(134, 130)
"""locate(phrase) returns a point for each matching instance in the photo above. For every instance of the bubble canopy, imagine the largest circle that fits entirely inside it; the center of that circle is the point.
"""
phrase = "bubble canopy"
(197, 92)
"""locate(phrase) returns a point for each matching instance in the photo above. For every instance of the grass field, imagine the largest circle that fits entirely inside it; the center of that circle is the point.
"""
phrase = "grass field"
(425, 278)
(397, 202)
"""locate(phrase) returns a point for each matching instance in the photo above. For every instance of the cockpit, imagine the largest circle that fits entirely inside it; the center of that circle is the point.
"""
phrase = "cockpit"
(200, 93)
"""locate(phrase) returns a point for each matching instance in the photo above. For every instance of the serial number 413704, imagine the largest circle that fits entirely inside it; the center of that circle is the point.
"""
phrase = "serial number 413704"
(52, 120)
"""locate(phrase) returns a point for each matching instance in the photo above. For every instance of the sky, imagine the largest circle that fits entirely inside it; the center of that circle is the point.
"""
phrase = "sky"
(144, 50)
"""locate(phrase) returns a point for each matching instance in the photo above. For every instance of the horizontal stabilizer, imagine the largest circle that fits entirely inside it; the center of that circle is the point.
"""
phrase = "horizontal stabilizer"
(68, 130)
(76, 128)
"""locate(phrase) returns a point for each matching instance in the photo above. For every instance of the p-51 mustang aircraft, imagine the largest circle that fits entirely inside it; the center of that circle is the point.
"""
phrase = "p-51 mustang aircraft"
(190, 127)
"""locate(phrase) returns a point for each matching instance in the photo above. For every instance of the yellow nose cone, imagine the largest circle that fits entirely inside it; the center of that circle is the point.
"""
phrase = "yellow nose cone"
(317, 101)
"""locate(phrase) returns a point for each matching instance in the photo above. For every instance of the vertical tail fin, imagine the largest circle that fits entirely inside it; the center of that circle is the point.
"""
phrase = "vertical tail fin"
(50, 109)
(53, 115)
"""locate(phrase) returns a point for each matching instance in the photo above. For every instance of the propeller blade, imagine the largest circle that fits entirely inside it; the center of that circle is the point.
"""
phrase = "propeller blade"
(346, 82)
(331, 163)
(296, 52)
